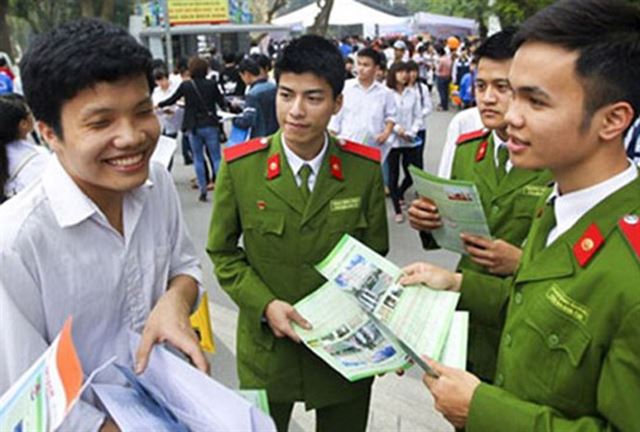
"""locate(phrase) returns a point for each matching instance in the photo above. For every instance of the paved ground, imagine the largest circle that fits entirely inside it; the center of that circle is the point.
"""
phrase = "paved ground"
(398, 404)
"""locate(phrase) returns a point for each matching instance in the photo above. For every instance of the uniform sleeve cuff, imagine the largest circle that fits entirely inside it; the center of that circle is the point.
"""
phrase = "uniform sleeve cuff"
(494, 409)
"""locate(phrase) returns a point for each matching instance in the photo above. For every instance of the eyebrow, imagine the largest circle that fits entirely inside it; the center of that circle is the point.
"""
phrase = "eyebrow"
(93, 111)
(533, 91)
(307, 92)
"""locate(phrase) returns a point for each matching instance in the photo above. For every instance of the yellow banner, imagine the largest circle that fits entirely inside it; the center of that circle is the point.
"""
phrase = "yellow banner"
(182, 12)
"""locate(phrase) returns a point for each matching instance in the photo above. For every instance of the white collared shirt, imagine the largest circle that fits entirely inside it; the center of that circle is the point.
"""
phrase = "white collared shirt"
(364, 113)
(497, 143)
(61, 258)
(296, 162)
(569, 208)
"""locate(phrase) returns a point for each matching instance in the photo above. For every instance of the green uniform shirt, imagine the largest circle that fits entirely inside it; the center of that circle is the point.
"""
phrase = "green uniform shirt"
(257, 198)
(569, 357)
(508, 205)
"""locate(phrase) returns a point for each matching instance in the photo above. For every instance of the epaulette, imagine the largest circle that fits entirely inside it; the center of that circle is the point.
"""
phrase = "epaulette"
(365, 151)
(630, 227)
(244, 149)
(470, 136)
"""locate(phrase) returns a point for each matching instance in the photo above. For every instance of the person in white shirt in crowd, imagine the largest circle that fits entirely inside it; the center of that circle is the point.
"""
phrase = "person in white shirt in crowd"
(170, 117)
(100, 236)
(409, 121)
(426, 106)
(426, 62)
(21, 161)
(368, 111)
(465, 121)
(400, 51)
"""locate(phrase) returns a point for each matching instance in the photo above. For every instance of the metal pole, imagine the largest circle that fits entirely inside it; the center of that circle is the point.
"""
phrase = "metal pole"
(167, 36)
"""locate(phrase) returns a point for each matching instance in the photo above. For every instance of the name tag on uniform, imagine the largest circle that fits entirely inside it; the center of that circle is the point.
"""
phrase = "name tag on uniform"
(345, 204)
(567, 305)
(534, 190)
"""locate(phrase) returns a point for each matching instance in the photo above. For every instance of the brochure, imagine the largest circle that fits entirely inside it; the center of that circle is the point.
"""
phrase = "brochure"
(366, 323)
(345, 337)
(459, 205)
(171, 395)
(44, 394)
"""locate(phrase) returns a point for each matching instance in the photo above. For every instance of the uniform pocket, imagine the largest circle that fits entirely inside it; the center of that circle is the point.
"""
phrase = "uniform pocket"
(558, 344)
(524, 205)
(348, 221)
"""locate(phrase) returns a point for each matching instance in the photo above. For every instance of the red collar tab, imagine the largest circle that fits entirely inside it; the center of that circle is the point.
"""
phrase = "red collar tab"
(471, 136)
(630, 226)
(588, 245)
(273, 166)
(336, 167)
(482, 150)
(365, 151)
(244, 149)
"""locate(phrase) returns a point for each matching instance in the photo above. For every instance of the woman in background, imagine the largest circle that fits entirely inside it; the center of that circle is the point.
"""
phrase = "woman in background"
(21, 161)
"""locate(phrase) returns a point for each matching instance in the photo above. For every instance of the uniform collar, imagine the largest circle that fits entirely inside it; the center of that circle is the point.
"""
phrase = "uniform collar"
(69, 204)
(497, 143)
(296, 162)
(569, 208)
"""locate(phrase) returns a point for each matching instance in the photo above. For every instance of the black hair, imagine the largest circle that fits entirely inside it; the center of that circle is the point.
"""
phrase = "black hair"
(413, 66)
(14, 109)
(181, 66)
(75, 56)
(498, 47)
(248, 65)
(3, 61)
(263, 61)
(229, 57)
(392, 82)
(606, 35)
(316, 55)
(348, 60)
(372, 54)
(160, 73)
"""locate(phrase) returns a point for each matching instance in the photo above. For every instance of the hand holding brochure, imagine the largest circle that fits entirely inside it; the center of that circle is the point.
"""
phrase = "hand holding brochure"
(365, 322)
(459, 205)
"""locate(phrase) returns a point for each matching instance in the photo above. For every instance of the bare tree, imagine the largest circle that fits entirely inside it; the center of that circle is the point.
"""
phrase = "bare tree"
(321, 23)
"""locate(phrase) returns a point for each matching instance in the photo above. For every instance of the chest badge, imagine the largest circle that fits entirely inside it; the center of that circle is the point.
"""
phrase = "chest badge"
(336, 167)
(588, 245)
(261, 205)
(482, 150)
(273, 166)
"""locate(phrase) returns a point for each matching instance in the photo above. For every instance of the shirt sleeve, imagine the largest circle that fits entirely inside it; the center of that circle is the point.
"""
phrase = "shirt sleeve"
(485, 297)
(248, 117)
(23, 336)
(449, 150)
(232, 268)
(495, 409)
(390, 109)
(184, 259)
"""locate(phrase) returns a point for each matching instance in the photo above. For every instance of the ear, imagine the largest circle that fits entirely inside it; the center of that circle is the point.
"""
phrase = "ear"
(50, 136)
(337, 104)
(616, 118)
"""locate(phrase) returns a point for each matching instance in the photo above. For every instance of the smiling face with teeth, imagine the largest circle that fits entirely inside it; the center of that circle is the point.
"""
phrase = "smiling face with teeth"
(109, 133)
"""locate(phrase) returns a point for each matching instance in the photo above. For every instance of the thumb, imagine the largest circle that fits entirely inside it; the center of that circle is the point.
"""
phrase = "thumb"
(144, 350)
(413, 279)
(298, 319)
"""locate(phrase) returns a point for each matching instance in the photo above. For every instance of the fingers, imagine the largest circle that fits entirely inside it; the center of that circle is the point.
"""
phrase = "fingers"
(191, 347)
(481, 253)
(477, 241)
(299, 319)
(144, 349)
(423, 215)
(414, 279)
(288, 331)
(417, 267)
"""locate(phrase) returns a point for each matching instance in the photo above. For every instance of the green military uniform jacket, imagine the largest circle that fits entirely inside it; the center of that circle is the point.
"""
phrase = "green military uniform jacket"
(569, 357)
(257, 198)
(508, 205)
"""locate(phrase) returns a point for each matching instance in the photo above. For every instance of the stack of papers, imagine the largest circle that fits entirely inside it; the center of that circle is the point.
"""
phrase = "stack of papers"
(366, 323)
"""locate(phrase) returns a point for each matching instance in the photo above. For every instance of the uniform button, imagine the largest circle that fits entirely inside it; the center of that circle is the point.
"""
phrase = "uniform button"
(507, 340)
(553, 340)
(499, 380)
(495, 209)
(518, 298)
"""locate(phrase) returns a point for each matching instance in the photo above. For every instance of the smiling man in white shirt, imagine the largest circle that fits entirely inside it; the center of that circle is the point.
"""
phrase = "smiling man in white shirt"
(100, 236)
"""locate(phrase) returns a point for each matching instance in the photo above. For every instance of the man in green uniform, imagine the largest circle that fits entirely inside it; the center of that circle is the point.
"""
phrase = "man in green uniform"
(509, 194)
(569, 357)
(292, 196)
